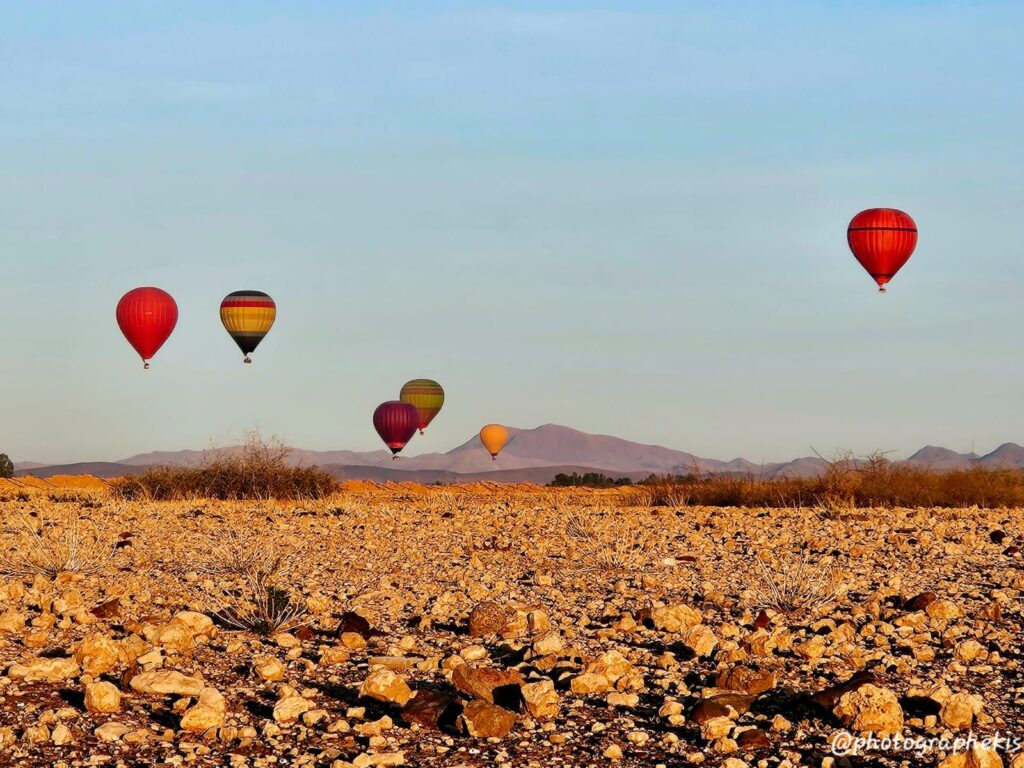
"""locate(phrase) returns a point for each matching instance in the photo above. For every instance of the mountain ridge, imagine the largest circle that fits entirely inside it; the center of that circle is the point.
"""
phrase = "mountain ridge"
(535, 453)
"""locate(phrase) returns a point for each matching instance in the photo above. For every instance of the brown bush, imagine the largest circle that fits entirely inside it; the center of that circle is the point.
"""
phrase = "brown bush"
(258, 470)
(846, 483)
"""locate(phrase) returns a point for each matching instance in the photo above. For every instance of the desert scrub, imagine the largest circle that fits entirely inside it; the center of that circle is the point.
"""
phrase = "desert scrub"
(845, 483)
(798, 584)
(50, 542)
(259, 470)
(613, 542)
(244, 581)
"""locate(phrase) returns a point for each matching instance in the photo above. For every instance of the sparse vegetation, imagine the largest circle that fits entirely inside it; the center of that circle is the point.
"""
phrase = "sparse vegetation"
(799, 584)
(873, 482)
(609, 544)
(251, 593)
(6, 466)
(49, 543)
(258, 471)
(588, 480)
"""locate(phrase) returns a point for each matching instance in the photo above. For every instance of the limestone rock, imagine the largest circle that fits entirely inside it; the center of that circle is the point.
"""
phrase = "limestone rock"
(102, 697)
(486, 721)
(166, 682)
(870, 708)
(208, 713)
(384, 685)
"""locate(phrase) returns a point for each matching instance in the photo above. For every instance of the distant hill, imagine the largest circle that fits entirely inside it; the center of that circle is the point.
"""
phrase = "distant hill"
(1006, 456)
(27, 465)
(105, 469)
(934, 457)
(533, 455)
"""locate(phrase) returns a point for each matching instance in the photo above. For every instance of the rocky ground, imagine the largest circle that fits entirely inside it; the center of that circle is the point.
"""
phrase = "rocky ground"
(487, 625)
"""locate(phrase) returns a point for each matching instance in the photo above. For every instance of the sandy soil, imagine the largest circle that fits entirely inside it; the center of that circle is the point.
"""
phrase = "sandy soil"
(489, 625)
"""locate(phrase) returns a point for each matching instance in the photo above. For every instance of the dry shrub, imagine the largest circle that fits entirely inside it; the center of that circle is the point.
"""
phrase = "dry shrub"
(50, 543)
(797, 584)
(846, 483)
(258, 471)
(251, 593)
(612, 543)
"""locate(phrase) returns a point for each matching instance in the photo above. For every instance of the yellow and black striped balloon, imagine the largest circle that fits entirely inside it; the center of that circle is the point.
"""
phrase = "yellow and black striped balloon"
(248, 316)
(427, 396)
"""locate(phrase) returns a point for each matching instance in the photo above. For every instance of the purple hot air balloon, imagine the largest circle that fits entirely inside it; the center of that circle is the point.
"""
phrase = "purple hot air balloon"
(396, 422)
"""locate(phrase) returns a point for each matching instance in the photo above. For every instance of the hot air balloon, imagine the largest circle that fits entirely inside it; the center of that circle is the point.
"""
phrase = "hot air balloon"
(396, 422)
(494, 437)
(248, 316)
(882, 239)
(427, 396)
(146, 317)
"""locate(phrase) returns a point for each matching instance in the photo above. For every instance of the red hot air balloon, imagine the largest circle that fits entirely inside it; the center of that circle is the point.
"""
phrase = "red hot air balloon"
(396, 422)
(147, 316)
(882, 239)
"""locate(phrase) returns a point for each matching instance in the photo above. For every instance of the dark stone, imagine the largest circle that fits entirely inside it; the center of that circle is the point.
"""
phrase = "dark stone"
(921, 601)
(753, 738)
(433, 709)
(107, 610)
(737, 701)
(707, 709)
(353, 622)
(495, 686)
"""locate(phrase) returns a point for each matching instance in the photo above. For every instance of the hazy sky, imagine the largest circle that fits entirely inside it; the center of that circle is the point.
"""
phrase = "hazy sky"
(624, 217)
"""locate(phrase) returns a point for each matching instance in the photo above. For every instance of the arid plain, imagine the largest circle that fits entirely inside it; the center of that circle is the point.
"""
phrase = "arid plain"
(476, 625)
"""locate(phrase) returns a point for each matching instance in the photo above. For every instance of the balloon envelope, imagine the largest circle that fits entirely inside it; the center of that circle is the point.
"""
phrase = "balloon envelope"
(494, 437)
(146, 317)
(882, 239)
(396, 422)
(247, 317)
(427, 396)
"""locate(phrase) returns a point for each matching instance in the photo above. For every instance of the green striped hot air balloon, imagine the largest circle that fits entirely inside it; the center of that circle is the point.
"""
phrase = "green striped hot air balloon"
(426, 396)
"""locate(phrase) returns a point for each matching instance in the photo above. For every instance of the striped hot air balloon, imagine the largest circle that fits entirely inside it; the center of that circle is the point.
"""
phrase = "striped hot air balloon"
(426, 396)
(396, 423)
(146, 317)
(248, 316)
(882, 239)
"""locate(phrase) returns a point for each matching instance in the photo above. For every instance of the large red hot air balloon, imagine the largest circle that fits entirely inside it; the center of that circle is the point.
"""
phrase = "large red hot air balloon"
(396, 422)
(882, 239)
(147, 316)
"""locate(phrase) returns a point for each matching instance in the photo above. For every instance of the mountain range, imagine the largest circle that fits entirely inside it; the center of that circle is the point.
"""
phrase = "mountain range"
(531, 455)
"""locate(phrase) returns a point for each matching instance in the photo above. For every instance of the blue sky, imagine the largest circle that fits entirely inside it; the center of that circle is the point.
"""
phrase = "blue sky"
(624, 217)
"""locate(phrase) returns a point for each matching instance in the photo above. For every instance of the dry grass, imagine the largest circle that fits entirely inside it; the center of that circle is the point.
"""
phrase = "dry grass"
(610, 542)
(259, 471)
(799, 584)
(252, 592)
(53, 542)
(846, 484)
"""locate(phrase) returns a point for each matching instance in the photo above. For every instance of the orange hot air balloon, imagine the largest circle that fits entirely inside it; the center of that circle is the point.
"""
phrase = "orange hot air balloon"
(494, 437)
(882, 239)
